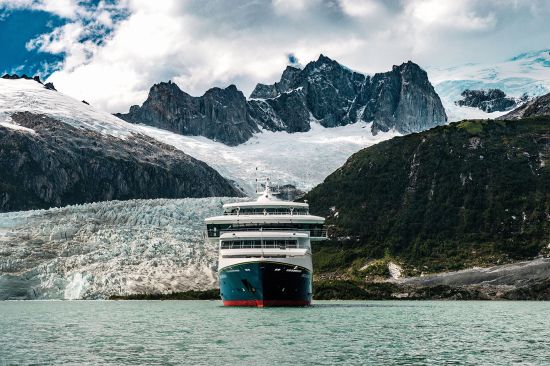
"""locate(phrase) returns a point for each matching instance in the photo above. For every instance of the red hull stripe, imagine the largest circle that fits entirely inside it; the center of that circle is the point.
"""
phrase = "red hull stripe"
(264, 303)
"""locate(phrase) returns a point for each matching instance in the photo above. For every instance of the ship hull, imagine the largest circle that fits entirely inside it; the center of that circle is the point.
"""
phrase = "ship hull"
(265, 284)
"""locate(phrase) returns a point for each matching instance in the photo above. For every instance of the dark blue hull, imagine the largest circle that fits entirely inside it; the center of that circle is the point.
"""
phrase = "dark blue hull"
(265, 284)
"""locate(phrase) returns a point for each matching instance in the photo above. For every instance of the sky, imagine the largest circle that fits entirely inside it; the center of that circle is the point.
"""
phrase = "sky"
(110, 53)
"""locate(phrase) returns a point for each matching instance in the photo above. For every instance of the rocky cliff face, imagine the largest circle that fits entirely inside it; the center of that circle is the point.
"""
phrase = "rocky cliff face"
(220, 114)
(492, 100)
(57, 164)
(537, 107)
(402, 99)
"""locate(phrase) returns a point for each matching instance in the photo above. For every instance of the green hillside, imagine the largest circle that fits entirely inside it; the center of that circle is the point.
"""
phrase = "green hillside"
(470, 193)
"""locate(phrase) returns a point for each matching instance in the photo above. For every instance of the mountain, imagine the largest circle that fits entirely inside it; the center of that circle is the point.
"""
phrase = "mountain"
(324, 92)
(534, 108)
(220, 114)
(402, 99)
(492, 100)
(467, 194)
(56, 151)
(524, 74)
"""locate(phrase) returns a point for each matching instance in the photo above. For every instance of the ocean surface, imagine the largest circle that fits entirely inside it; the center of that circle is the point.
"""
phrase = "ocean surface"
(328, 333)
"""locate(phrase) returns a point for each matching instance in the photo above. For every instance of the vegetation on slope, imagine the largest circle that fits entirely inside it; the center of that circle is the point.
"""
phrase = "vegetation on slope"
(469, 193)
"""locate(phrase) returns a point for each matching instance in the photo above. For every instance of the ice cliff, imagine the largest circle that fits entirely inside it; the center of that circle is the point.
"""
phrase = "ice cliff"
(96, 250)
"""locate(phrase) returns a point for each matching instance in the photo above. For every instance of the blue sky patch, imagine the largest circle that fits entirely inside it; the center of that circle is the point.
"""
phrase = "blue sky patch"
(16, 29)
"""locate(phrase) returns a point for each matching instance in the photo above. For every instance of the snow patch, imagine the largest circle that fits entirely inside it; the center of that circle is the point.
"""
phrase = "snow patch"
(395, 270)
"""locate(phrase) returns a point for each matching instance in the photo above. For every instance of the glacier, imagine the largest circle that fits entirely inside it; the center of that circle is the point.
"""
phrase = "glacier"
(527, 73)
(302, 159)
(97, 250)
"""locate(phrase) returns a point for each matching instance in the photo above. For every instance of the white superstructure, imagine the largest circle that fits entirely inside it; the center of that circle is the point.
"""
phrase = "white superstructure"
(265, 229)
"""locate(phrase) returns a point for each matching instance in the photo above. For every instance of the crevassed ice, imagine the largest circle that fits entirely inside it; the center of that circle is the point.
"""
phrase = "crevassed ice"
(101, 249)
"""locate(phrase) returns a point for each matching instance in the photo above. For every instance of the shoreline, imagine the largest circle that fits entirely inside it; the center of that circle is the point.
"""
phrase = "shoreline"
(357, 290)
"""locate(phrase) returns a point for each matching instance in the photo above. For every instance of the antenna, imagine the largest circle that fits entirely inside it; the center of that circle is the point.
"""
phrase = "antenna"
(256, 176)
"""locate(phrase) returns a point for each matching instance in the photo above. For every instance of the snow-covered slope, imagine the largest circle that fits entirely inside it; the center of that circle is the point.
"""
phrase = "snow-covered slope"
(525, 73)
(27, 95)
(57, 151)
(102, 249)
(303, 159)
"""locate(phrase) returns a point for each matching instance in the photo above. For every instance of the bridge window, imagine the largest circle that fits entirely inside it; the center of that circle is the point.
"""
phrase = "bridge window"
(251, 244)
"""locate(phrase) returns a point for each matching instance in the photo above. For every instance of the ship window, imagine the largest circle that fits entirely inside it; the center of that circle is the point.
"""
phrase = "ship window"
(249, 244)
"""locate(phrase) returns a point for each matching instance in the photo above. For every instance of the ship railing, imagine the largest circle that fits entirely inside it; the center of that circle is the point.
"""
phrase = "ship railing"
(261, 245)
(266, 213)
(313, 233)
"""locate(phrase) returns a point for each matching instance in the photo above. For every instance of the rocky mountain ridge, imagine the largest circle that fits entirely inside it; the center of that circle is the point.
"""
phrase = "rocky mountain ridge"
(220, 114)
(56, 151)
(491, 100)
(534, 108)
(323, 91)
(36, 78)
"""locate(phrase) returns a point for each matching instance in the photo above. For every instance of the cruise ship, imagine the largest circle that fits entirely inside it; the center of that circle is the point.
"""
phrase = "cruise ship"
(265, 251)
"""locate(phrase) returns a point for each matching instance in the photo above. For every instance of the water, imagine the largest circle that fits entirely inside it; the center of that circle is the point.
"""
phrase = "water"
(329, 333)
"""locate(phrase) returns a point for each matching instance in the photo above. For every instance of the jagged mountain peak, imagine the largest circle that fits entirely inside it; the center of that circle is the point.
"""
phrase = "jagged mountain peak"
(325, 64)
(322, 59)
(229, 90)
(220, 114)
(324, 90)
(410, 69)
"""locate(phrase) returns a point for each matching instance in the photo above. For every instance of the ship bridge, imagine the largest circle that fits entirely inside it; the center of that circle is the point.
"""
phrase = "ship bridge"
(266, 214)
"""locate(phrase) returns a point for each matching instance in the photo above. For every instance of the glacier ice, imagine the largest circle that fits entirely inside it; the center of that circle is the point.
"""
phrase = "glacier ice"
(303, 159)
(526, 73)
(96, 250)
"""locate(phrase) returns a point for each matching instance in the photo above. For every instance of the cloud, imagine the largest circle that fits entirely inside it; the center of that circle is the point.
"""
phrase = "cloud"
(62, 8)
(115, 51)
(456, 15)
